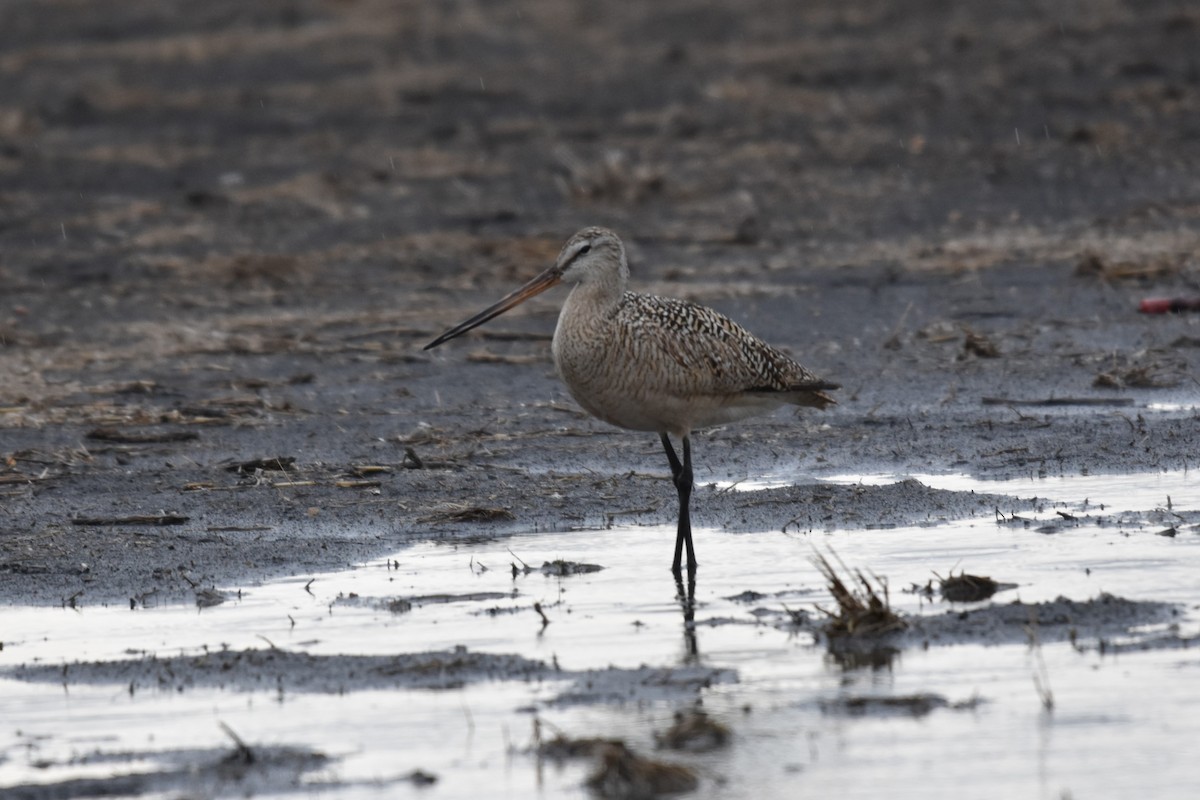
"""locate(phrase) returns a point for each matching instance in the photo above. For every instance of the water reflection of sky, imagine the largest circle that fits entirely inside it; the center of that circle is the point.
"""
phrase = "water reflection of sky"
(1110, 712)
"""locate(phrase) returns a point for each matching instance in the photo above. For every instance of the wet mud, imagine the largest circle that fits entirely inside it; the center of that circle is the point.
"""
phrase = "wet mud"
(227, 232)
(226, 235)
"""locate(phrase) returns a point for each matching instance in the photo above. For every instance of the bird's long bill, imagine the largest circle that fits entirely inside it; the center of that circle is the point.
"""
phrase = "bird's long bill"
(536, 286)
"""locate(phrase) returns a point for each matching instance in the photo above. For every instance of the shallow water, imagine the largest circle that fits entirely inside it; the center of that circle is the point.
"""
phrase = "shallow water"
(1121, 724)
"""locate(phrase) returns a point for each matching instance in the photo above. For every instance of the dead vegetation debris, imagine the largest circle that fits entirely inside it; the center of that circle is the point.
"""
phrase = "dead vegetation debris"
(561, 569)
(1146, 269)
(357, 484)
(134, 519)
(939, 332)
(977, 344)
(1143, 376)
(694, 731)
(414, 461)
(961, 588)
(863, 609)
(365, 470)
(272, 463)
(419, 777)
(562, 747)
(964, 588)
(127, 436)
(468, 514)
(209, 597)
(620, 773)
(916, 705)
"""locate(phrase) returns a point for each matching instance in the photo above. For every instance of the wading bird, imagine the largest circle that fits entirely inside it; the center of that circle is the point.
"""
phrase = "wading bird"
(656, 364)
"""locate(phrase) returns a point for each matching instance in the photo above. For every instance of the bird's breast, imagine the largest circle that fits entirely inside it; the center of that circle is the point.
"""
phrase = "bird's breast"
(619, 372)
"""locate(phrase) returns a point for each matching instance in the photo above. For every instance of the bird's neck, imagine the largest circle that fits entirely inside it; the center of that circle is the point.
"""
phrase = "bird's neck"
(597, 295)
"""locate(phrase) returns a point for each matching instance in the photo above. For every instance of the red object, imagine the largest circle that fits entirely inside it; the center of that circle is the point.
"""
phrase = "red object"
(1163, 305)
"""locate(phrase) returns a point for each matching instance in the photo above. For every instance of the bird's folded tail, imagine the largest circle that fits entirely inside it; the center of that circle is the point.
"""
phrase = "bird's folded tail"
(803, 393)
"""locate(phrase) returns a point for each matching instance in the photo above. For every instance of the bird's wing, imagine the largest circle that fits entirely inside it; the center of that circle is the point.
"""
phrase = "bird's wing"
(696, 350)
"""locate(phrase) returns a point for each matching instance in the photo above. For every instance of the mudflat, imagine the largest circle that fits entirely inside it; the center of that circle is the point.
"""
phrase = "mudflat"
(227, 231)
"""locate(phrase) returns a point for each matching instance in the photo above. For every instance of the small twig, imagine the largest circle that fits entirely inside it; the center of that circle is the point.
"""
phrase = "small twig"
(525, 568)
(411, 455)
(243, 752)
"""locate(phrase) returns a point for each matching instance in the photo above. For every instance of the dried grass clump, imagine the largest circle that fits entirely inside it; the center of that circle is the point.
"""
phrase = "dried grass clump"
(863, 610)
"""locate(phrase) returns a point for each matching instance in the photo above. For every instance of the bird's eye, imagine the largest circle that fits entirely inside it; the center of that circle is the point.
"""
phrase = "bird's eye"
(584, 249)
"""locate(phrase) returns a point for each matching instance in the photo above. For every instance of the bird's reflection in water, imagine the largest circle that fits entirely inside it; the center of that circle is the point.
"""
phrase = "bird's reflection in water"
(687, 602)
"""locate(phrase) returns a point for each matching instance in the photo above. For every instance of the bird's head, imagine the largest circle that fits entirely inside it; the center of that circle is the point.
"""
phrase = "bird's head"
(592, 255)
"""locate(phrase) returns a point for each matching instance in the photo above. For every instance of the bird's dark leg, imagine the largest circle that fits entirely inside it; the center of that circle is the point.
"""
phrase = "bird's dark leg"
(687, 601)
(681, 476)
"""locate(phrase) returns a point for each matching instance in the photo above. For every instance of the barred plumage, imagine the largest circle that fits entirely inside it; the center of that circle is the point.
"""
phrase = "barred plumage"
(655, 363)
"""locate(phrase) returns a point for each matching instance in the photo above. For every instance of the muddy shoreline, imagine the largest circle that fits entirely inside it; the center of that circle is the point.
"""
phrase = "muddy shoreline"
(227, 231)
(196, 276)
(458, 446)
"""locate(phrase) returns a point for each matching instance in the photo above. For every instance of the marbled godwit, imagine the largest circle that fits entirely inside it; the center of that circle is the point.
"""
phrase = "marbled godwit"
(654, 363)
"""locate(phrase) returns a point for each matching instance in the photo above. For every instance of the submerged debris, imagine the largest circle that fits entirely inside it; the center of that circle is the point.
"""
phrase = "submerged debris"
(918, 705)
(620, 773)
(695, 732)
(419, 777)
(877, 657)
(964, 588)
(560, 748)
(748, 596)
(624, 775)
(209, 597)
(398, 605)
(560, 568)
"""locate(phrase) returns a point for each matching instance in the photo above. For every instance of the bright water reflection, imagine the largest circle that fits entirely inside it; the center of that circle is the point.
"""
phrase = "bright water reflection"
(1121, 725)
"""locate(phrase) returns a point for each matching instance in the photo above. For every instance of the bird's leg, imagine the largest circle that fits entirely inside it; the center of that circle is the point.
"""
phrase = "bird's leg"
(676, 467)
(681, 476)
(687, 601)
